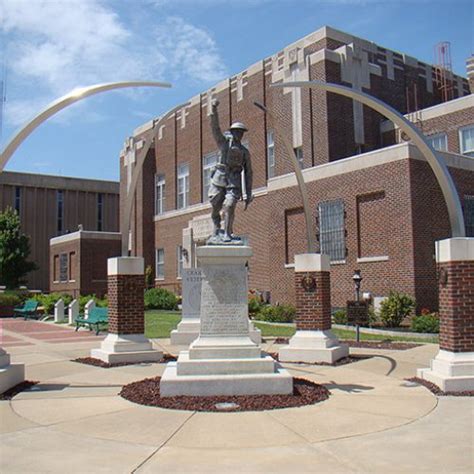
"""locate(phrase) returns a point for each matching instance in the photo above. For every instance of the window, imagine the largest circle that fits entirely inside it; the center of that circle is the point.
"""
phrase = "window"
(180, 259)
(60, 211)
(466, 140)
(183, 186)
(159, 194)
(469, 215)
(208, 164)
(439, 142)
(18, 199)
(270, 154)
(100, 211)
(63, 267)
(299, 156)
(160, 264)
(331, 229)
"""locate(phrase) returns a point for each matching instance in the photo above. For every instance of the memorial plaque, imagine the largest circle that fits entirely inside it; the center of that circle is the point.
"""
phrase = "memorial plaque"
(357, 313)
(202, 227)
(224, 307)
(191, 288)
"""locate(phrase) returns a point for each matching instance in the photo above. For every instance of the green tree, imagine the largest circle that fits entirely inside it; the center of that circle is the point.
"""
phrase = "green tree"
(14, 250)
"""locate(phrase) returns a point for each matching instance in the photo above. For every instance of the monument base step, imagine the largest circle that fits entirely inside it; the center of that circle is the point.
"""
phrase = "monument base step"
(312, 356)
(182, 338)
(224, 347)
(278, 383)
(121, 357)
(11, 375)
(447, 383)
(187, 366)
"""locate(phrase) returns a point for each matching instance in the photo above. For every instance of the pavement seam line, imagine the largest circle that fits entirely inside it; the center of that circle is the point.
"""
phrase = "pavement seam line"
(163, 443)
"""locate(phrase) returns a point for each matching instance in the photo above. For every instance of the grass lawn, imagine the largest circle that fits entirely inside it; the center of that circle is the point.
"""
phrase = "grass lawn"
(159, 324)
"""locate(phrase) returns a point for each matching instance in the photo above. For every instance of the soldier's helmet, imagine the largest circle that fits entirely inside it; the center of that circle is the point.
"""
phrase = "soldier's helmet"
(238, 126)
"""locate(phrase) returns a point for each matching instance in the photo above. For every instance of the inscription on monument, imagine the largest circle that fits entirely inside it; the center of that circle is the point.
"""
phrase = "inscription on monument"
(192, 282)
(224, 310)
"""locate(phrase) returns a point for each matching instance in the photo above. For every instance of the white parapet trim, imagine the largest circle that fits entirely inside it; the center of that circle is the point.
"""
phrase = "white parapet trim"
(312, 262)
(85, 234)
(455, 249)
(125, 266)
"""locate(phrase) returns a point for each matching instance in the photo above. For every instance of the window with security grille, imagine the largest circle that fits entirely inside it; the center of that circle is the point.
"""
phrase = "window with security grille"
(469, 215)
(332, 239)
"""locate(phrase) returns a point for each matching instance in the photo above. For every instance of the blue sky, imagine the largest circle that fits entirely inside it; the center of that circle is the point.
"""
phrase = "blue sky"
(51, 46)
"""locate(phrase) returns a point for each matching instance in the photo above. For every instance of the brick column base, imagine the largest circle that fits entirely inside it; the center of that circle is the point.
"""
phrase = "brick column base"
(453, 367)
(313, 341)
(126, 341)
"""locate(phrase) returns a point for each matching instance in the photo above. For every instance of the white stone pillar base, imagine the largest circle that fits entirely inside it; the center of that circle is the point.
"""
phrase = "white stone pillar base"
(10, 374)
(119, 348)
(186, 332)
(313, 347)
(450, 371)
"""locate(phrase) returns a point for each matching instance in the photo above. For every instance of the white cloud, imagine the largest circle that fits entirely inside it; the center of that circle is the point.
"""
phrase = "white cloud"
(54, 46)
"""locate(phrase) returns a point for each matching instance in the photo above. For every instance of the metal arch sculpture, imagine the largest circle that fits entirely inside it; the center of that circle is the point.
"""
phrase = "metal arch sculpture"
(59, 104)
(438, 166)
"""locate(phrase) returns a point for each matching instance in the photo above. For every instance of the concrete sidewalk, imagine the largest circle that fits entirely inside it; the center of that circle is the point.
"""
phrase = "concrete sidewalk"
(374, 421)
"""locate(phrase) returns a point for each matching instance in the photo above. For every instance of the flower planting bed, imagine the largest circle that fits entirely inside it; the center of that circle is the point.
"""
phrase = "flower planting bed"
(21, 387)
(395, 346)
(105, 365)
(437, 391)
(147, 392)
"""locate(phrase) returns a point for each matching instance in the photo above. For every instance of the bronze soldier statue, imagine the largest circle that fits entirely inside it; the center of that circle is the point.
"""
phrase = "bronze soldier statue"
(226, 178)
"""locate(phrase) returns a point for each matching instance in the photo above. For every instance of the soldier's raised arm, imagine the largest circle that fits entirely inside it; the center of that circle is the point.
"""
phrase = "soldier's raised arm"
(216, 129)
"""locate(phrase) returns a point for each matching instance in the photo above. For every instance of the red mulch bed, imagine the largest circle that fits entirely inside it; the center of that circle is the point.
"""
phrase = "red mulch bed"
(147, 392)
(395, 346)
(105, 365)
(344, 361)
(21, 387)
(437, 391)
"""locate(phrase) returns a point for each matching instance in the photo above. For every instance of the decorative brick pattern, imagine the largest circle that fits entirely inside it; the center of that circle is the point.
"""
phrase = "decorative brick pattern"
(313, 307)
(126, 306)
(456, 306)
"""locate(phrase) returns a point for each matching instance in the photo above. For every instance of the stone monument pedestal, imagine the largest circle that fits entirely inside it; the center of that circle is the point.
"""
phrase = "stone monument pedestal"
(453, 367)
(313, 341)
(10, 374)
(223, 360)
(126, 341)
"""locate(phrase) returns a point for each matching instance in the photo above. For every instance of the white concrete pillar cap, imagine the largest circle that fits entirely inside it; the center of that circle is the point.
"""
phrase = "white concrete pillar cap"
(126, 266)
(312, 262)
(455, 250)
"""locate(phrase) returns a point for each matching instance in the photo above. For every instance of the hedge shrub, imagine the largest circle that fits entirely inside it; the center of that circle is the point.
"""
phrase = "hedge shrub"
(277, 314)
(9, 299)
(340, 317)
(395, 308)
(254, 305)
(425, 323)
(47, 301)
(159, 298)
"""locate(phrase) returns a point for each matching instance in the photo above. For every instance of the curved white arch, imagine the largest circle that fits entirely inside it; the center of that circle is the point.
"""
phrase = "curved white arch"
(74, 96)
(437, 164)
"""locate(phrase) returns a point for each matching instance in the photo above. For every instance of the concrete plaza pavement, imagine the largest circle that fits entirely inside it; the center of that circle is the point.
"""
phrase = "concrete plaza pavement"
(374, 421)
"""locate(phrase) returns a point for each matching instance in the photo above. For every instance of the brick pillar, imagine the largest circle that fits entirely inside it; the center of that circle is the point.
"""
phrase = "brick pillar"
(453, 367)
(313, 300)
(126, 341)
(313, 341)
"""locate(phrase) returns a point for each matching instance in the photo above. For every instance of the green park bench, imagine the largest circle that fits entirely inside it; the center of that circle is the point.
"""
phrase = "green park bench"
(28, 310)
(97, 316)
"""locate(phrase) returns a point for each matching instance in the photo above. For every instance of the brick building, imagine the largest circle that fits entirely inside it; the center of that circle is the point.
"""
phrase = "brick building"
(376, 203)
(50, 206)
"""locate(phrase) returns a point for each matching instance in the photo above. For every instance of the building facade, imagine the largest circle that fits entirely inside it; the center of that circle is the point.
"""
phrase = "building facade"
(374, 208)
(50, 206)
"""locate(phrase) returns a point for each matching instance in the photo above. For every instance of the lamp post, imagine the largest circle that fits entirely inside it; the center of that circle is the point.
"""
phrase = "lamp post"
(357, 279)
